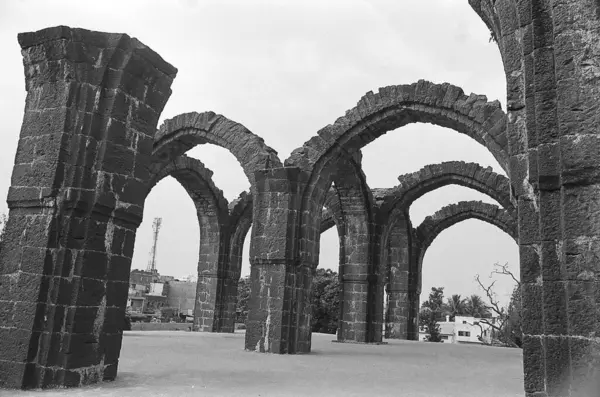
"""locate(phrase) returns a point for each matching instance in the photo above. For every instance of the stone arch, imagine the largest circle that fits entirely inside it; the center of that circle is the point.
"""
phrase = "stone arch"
(393, 107)
(472, 175)
(196, 179)
(181, 133)
(452, 214)
(397, 201)
(424, 235)
(351, 202)
(213, 215)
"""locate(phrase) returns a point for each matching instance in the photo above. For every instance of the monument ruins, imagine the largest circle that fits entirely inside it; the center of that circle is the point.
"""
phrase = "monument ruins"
(90, 151)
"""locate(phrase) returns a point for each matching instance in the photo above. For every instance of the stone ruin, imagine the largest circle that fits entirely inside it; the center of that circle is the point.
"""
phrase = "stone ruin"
(90, 151)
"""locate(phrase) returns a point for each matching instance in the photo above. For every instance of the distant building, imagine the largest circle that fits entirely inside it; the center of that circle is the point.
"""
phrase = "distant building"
(152, 293)
(165, 279)
(446, 332)
(181, 295)
(141, 277)
(464, 329)
(136, 304)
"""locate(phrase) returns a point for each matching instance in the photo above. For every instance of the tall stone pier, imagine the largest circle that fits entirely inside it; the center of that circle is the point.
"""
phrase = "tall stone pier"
(76, 199)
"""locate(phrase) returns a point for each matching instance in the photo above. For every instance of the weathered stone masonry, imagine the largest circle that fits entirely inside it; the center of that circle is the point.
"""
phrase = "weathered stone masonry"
(402, 248)
(88, 148)
(76, 199)
(548, 49)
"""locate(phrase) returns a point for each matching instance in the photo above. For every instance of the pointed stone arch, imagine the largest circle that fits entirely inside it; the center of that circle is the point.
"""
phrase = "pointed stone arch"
(392, 107)
(471, 175)
(181, 133)
(196, 179)
(452, 214)
(213, 216)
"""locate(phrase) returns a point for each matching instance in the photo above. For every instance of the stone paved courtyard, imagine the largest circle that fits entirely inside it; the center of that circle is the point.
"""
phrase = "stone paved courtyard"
(166, 363)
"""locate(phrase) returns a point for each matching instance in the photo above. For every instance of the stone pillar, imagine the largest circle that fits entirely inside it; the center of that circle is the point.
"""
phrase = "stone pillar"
(279, 308)
(93, 102)
(412, 326)
(216, 297)
(549, 52)
(398, 267)
(415, 280)
(240, 220)
(357, 281)
(554, 173)
(228, 302)
(216, 283)
(377, 281)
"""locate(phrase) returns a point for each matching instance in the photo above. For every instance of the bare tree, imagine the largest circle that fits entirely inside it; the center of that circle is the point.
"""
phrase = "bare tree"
(505, 333)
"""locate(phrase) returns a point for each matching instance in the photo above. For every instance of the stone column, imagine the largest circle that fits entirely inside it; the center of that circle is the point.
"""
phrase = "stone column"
(93, 102)
(549, 55)
(279, 307)
(228, 302)
(356, 280)
(240, 220)
(415, 280)
(216, 283)
(412, 326)
(398, 296)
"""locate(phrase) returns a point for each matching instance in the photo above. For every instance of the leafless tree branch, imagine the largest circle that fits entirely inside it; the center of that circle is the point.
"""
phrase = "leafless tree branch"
(502, 315)
(504, 270)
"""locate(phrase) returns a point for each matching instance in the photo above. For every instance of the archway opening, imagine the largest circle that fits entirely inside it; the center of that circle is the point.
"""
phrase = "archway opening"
(410, 148)
(476, 247)
(163, 277)
(228, 175)
(244, 285)
(481, 298)
(325, 285)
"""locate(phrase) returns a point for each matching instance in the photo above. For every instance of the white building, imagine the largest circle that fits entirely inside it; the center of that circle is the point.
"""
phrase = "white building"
(463, 329)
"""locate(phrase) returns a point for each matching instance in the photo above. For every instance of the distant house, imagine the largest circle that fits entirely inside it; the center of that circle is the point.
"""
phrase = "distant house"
(463, 329)
(446, 332)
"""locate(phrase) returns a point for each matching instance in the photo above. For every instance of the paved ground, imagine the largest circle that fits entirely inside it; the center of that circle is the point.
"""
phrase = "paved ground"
(163, 363)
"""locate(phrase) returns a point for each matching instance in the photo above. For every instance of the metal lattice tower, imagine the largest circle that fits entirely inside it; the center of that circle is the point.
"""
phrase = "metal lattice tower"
(155, 229)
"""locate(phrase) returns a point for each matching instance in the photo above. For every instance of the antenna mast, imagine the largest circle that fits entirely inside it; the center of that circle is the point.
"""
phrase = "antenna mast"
(155, 229)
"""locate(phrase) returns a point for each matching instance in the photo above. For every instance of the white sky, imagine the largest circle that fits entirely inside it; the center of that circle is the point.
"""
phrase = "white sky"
(285, 69)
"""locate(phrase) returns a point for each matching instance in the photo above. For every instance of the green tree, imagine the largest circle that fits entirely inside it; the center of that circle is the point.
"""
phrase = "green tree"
(325, 301)
(455, 306)
(476, 307)
(242, 299)
(432, 310)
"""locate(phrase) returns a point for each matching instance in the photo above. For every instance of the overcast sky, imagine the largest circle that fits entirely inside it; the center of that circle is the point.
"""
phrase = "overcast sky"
(285, 69)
